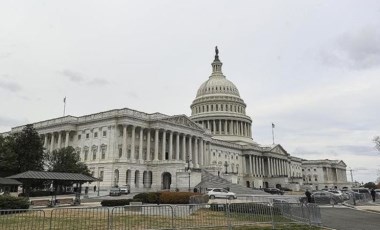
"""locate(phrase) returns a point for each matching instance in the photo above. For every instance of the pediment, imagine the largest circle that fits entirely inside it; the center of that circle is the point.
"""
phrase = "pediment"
(183, 121)
(279, 150)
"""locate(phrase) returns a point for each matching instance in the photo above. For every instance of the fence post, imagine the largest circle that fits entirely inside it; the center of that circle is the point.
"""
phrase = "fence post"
(228, 216)
(110, 218)
(172, 210)
(272, 215)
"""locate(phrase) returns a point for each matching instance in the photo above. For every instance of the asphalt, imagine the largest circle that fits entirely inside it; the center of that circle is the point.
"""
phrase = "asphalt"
(346, 218)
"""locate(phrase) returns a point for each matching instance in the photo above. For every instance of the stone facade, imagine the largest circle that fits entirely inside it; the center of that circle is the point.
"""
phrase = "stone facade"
(319, 174)
(155, 151)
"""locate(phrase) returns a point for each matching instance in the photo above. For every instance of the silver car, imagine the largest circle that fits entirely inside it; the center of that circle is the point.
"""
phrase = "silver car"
(220, 193)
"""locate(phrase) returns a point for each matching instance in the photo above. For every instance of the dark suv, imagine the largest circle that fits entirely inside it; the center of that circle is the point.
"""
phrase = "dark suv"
(274, 191)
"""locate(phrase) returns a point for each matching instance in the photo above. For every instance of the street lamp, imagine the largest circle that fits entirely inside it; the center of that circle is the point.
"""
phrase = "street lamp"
(188, 169)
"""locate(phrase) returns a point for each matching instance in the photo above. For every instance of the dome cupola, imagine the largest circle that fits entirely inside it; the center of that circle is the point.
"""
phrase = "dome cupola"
(219, 108)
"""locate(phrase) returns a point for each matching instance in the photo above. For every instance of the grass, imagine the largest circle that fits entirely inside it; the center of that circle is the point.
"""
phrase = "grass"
(98, 218)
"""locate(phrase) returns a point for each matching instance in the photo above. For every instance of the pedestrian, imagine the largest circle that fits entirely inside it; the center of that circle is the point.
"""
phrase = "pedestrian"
(95, 188)
(308, 195)
(373, 194)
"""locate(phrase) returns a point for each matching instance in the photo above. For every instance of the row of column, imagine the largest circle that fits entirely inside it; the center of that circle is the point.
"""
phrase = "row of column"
(52, 137)
(278, 167)
(228, 127)
(259, 166)
(256, 166)
(179, 147)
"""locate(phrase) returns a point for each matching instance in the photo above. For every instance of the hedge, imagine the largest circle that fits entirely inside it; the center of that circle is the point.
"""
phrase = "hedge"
(121, 202)
(10, 202)
(165, 197)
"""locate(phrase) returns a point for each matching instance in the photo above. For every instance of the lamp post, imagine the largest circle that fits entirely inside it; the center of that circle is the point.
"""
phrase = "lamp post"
(188, 169)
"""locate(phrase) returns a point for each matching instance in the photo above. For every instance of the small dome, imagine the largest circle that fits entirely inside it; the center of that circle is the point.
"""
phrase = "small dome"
(217, 85)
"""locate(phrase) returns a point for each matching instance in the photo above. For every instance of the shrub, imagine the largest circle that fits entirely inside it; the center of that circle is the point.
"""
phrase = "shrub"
(121, 202)
(175, 197)
(10, 202)
(199, 199)
(142, 196)
(165, 197)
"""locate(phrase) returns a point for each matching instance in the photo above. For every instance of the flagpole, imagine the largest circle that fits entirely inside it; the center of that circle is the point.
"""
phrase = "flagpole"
(64, 106)
(273, 132)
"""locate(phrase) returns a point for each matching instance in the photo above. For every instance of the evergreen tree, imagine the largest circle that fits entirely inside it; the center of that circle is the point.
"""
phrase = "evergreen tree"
(66, 160)
(29, 150)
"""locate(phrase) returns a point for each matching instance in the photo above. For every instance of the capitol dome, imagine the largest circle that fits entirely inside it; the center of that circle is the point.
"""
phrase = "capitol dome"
(217, 85)
(219, 108)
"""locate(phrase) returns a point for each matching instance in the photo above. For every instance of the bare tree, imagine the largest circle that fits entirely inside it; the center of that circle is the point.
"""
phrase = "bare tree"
(377, 142)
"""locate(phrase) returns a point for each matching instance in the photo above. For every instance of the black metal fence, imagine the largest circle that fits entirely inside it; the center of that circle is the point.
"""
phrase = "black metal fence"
(193, 216)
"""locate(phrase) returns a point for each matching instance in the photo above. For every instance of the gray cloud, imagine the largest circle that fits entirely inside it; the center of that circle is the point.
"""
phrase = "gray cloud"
(98, 81)
(73, 76)
(8, 121)
(5, 55)
(9, 85)
(359, 49)
(356, 149)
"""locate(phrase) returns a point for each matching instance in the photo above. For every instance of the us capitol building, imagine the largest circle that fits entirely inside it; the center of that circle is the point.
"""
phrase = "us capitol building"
(155, 151)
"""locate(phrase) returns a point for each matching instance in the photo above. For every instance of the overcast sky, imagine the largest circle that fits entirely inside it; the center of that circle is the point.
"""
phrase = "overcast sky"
(310, 67)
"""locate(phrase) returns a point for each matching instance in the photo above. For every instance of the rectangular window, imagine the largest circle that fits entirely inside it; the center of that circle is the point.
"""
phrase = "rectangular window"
(103, 153)
(79, 137)
(104, 133)
(96, 134)
(120, 152)
(94, 155)
(85, 155)
(87, 135)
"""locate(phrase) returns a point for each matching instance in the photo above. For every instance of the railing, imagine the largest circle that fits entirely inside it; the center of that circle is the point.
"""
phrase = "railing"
(193, 216)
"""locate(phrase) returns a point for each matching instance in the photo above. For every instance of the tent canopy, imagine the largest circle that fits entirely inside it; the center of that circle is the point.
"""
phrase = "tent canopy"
(62, 176)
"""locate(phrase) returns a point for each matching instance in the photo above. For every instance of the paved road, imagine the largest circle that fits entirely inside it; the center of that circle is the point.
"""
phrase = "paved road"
(347, 219)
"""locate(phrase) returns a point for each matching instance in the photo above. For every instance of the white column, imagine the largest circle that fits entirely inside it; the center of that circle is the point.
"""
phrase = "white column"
(263, 166)
(250, 165)
(141, 143)
(148, 145)
(52, 142)
(177, 147)
(171, 145)
(67, 139)
(163, 145)
(269, 167)
(156, 145)
(133, 143)
(184, 147)
(231, 132)
(196, 165)
(45, 141)
(260, 166)
(201, 152)
(124, 141)
(220, 126)
(225, 127)
(214, 127)
(59, 140)
(190, 153)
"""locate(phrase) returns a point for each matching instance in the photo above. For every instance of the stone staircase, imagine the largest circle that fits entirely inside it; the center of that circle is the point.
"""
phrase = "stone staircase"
(211, 181)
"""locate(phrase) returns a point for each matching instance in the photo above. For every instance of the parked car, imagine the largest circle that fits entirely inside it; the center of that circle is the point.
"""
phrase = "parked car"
(274, 191)
(338, 194)
(220, 193)
(115, 191)
(325, 197)
(125, 189)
